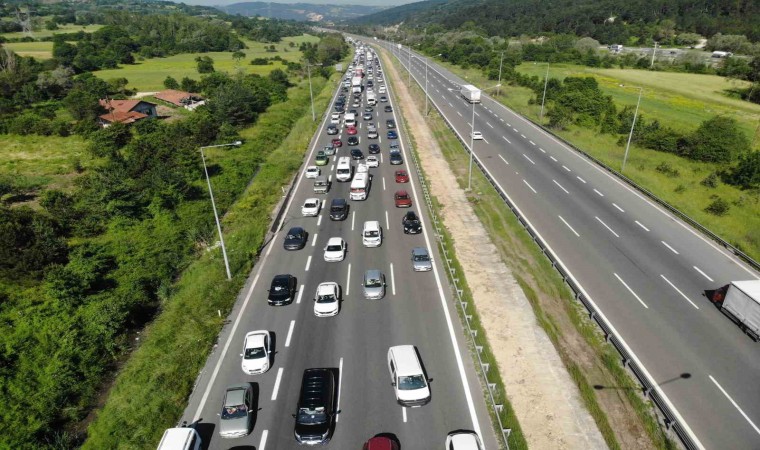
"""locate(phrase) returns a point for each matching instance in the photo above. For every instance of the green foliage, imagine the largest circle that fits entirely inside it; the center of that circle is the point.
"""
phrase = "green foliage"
(717, 140)
(711, 180)
(29, 242)
(747, 172)
(170, 83)
(204, 64)
(718, 207)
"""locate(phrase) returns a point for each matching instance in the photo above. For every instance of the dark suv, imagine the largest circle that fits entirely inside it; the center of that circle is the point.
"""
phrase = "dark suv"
(338, 209)
(316, 407)
(411, 223)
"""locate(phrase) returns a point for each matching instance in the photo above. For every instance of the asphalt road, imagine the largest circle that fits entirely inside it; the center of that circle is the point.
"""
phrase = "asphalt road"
(417, 309)
(645, 269)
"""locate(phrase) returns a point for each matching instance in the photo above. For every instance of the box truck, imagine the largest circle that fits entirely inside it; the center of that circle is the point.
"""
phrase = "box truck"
(470, 93)
(356, 84)
(740, 301)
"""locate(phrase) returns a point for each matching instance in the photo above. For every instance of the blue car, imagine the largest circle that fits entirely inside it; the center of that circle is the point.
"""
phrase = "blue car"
(392, 134)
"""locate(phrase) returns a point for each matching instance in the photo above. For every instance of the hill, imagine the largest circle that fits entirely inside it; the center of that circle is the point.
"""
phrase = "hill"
(301, 11)
(605, 20)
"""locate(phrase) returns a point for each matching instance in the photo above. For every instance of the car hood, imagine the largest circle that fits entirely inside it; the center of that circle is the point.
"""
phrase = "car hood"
(311, 432)
(234, 426)
(426, 265)
(325, 307)
(254, 364)
(413, 394)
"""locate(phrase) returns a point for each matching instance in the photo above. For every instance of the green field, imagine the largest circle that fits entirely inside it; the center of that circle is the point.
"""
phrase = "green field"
(149, 74)
(39, 50)
(40, 31)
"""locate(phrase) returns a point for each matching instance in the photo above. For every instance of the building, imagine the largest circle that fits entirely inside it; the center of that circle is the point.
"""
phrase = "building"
(187, 100)
(126, 111)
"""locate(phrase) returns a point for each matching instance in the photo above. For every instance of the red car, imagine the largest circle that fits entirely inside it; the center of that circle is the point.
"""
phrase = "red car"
(402, 199)
(337, 143)
(402, 176)
(351, 130)
(380, 443)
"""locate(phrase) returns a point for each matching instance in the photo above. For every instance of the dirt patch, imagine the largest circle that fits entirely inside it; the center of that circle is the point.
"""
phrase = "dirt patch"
(545, 399)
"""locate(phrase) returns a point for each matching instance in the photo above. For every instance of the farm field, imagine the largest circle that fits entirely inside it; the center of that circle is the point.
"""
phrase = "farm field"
(38, 50)
(40, 32)
(149, 74)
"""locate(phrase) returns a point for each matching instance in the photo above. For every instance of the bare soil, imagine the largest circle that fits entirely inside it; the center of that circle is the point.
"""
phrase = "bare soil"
(545, 399)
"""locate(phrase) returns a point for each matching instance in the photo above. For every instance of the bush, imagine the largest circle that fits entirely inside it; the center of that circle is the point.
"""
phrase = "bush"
(717, 140)
(259, 62)
(747, 173)
(718, 207)
(710, 181)
(667, 169)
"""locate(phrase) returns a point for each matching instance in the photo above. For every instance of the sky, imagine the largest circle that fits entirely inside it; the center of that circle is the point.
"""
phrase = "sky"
(315, 2)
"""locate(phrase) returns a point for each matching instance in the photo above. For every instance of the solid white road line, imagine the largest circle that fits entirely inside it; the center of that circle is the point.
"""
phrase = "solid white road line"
(319, 220)
(600, 194)
(393, 281)
(619, 208)
(631, 291)
(746, 417)
(263, 441)
(565, 167)
(553, 158)
(670, 248)
(340, 387)
(353, 219)
(290, 333)
(300, 294)
(679, 291)
(703, 274)
(314, 239)
(348, 279)
(526, 157)
(383, 183)
(308, 263)
(605, 226)
(505, 161)
(641, 225)
(568, 225)
(508, 142)
(403, 413)
(531, 187)
(560, 186)
(387, 224)
(277, 384)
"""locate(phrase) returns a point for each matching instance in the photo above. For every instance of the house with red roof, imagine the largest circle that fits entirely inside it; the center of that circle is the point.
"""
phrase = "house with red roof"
(188, 100)
(126, 111)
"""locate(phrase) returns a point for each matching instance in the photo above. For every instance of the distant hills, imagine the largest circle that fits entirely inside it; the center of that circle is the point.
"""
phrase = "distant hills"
(301, 11)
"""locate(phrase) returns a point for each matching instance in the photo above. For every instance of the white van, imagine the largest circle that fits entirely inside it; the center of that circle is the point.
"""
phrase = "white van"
(343, 171)
(180, 439)
(359, 186)
(371, 99)
(350, 119)
(407, 377)
(372, 234)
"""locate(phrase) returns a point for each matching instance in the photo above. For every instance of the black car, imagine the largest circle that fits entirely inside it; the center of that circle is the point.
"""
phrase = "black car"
(396, 158)
(316, 407)
(295, 239)
(340, 109)
(332, 129)
(356, 154)
(374, 149)
(390, 123)
(367, 116)
(369, 109)
(370, 83)
(283, 290)
(388, 108)
(394, 147)
(352, 140)
(411, 223)
(338, 209)
(383, 99)
(392, 134)
(353, 111)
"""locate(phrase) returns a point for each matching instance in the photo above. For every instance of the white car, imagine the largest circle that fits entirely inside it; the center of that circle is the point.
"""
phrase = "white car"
(477, 135)
(335, 118)
(381, 90)
(463, 440)
(312, 172)
(362, 168)
(256, 352)
(311, 207)
(327, 299)
(372, 161)
(335, 250)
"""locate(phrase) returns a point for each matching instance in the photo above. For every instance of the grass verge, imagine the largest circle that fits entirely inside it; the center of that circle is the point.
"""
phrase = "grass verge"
(589, 360)
(151, 391)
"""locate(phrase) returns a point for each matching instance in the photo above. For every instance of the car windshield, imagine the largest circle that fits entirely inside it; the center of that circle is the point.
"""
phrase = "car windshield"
(327, 298)
(310, 205)
(312, 416)
(373, 282)
(411, 382)
(421, 257)
(234, 412)
(372, 233)
(333, 248)
(294, 236)
(402, 196)
(255, 353)
(279, 287)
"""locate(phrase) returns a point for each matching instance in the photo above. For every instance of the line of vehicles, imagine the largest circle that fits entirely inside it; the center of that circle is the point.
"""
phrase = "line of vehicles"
(317, 403)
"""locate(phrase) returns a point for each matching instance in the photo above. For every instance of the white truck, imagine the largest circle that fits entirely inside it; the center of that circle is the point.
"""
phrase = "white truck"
(371, 99)
(356, 84)
(740, 301)
(470, 93)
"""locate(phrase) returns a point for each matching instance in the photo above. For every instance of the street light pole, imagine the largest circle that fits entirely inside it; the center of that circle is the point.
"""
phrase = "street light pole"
(311, 94)
(546, 83)
(630, 135)
(213, 205)
(409, 66)
(472, 147)
(426, 86)
(654, 50)
(501, 61)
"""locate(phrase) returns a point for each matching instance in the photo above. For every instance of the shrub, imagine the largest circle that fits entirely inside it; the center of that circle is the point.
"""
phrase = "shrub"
(718, 207)
(710, 181)
(747, 173)
(667, 169)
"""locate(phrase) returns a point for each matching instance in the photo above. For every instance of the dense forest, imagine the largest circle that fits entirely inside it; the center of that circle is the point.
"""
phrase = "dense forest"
(608, 21)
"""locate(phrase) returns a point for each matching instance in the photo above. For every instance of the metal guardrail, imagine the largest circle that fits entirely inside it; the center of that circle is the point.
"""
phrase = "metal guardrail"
(670, 419)
(484, 366)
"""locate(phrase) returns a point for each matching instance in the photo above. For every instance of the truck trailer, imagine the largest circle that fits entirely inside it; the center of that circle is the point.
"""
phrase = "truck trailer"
(356, 84)
(470, 93)
(740, 301)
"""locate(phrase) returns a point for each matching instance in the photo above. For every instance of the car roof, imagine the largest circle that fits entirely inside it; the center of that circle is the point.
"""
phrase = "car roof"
(315, 387)
(255, 339)
(465, 440)
(326, 288)
(372, 224)
(235, 395)
(176, 438)
(334, 241)
(407, 362)
(420, 251)
(379, 443)
(281, 277)
(295, 230)
(402, 192)
(372, 274)
(338, 201)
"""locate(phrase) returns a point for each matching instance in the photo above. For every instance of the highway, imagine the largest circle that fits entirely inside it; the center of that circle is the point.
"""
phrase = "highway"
(644, 269)
(417, 309)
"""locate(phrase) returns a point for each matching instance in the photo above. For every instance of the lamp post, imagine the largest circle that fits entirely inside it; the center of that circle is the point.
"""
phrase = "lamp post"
(654, 51)
(409, 65)
(633, 125)
(426, 83)
(213, 204)
(543, 98)
(472, 139)
(501, 61)
(311, 94)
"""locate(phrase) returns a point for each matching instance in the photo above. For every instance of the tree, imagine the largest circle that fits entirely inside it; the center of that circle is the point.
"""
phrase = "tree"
(237, 56)
(107, 142)
(189, 85)
(747, 173)
(170, 82)
(718, 139)
(56, 82)
(204, 64)
(236, 104)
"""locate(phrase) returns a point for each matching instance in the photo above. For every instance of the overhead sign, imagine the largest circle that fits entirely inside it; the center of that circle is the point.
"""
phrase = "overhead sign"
(339, 67)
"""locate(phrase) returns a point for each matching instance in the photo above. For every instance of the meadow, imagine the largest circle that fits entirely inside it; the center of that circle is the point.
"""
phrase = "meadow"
(38, 50)
(42, 33)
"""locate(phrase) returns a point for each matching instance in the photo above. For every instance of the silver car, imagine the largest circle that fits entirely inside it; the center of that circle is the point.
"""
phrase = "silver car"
(421, 260)
(236, 418)
(374, 284)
